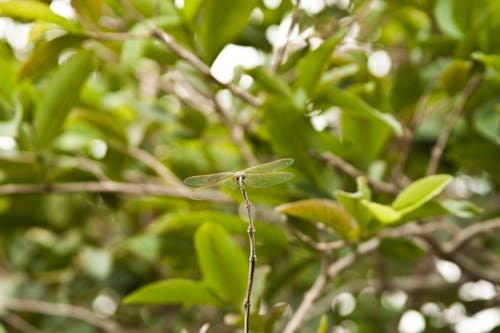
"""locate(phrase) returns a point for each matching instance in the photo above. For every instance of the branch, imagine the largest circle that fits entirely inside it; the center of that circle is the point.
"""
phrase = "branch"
(437, 151)
(19, 323)
(336, 162)
(202, 67)
(63, 310)
(106, 187)
(463, 237)
(320, 283)
(282, 49)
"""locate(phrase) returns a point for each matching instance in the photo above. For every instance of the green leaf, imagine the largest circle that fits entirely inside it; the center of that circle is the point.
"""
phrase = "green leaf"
(222, 263)
(221, 22)
(312, 66)
(60, 94)
(189, 221)
(353, 203)
(401, 248)
(34, 10)
(490, 60)
(420, 192)
(173, 291)
(45, 56)
(271, 83)
(323, 325)
(355, 106)
(455, 76)
(383, 213)
(487, 120)
(324, 211)
(453, 16)
(462, 208)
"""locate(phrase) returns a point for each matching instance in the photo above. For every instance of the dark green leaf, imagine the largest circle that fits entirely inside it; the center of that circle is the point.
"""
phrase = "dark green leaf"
(401, 249)
(59, 96)
(222, 263)
(221, 22)
(173, 291)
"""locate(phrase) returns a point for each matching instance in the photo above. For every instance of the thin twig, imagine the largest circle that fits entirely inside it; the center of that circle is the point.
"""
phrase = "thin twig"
(63, 310)
(19, 323)
(315, 291)
(351, 171)
(106, 187)
(253, 257)
(438, 149)
(282, 49)
(463, 237)
(319, 246)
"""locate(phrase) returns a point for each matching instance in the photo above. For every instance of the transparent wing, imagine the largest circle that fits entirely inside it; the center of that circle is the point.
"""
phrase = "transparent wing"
(207, 192)
(206, 180)
(262, 180)
(271, 166)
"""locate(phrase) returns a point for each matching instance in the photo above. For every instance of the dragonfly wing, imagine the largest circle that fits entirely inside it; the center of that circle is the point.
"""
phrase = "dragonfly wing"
(206, 180)
(262, 180)
(271, 166)
(206, 192)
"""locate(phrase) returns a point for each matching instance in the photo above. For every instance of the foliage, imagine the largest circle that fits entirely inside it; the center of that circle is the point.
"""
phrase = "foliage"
(103, 114)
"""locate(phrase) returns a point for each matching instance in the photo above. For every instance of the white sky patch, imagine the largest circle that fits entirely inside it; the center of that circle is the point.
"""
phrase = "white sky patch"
(63, 8)
(412, 322)
(104, 304)
(482, 322)
(231, 57)
(454, 313)
(312, 6)
(179, 4)
(272, 4)
(328, 118)
(379, 63)
(448, 270)
(7, 143)
(480, 290)
(16, 34)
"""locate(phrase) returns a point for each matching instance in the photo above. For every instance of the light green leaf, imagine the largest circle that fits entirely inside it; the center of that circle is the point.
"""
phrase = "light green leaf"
(190, 9)
(222, 263)
(383, 213)
(34, 10)
(60, 94)
(490, 60)
(420, 192)
(97, 262)
(323, 325)
(173, 291)
(354, 105)
(352, 202)
(487, 120)
(324, 211)
(311, 67)
(444, 11)
(221, 22)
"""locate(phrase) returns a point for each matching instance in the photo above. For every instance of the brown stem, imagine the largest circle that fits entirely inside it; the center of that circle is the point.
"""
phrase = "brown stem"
(351, 171)
(105, 187)
(437, 151)
(282, 49)
(65, 310)
(253, 256)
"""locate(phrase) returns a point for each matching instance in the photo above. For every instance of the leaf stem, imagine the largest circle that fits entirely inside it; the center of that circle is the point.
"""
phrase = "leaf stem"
(253, 257)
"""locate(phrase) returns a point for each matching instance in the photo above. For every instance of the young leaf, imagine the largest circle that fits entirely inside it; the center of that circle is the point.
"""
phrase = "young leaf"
(323, 325)
(420, 192)
(383, 213)
(324, 211)
(222, 263)
(173, 291)
(34, 10)
(60, 94)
